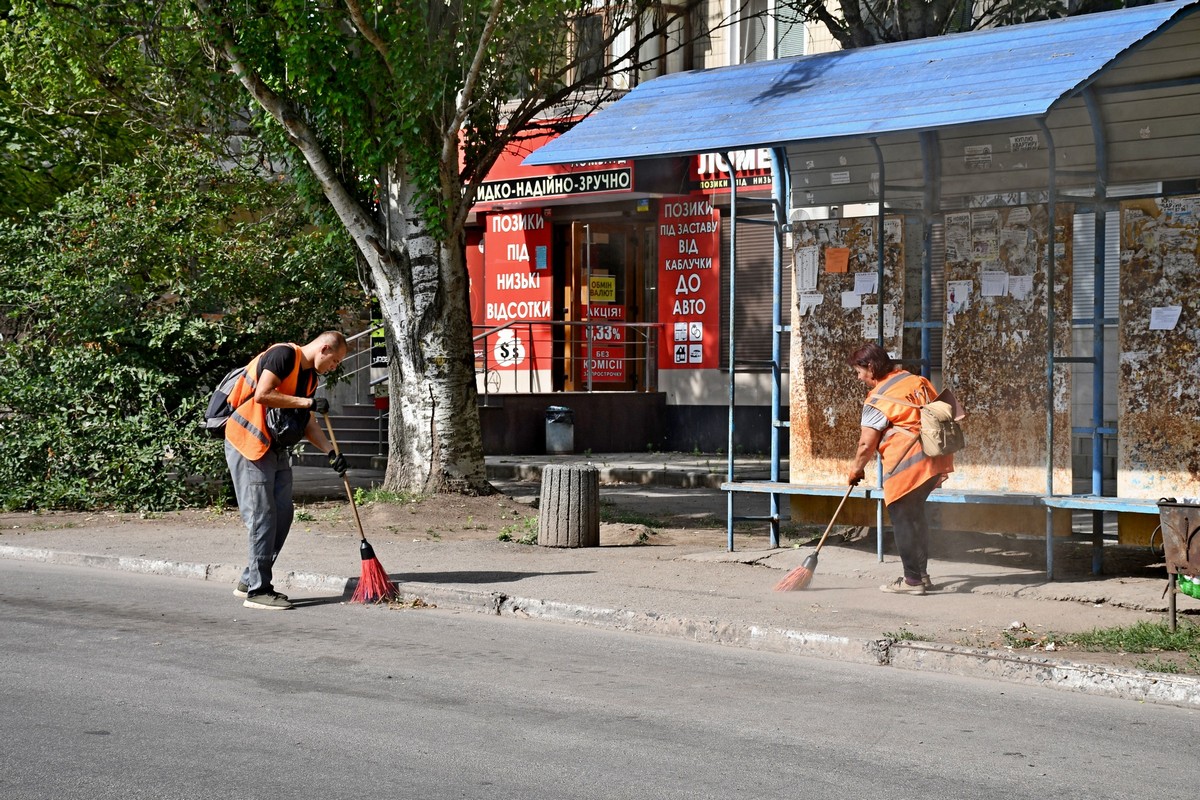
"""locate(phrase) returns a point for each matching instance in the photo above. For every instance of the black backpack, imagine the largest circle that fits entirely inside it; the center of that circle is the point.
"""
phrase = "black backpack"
(219, 411)
(286, 425)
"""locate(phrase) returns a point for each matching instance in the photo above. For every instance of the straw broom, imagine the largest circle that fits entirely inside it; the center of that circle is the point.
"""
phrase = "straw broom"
(374, 585)
(801, 576)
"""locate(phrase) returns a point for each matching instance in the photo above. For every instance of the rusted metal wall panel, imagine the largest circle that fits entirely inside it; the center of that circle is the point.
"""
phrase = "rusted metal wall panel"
(1158, 434)
(995, 344)
(826, 397)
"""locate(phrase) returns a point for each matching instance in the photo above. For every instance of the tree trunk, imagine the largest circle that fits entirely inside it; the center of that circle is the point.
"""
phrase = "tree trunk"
(569, 510)
(434, 435)
(420, 276)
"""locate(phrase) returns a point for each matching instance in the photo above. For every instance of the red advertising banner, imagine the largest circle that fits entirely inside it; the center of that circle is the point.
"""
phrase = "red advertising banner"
(606, 364)
(517, 286)
(709, 172)
(510, 182)
(689, 282)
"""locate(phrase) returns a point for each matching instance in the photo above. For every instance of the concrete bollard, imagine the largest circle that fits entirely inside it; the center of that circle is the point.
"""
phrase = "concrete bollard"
(569, 511)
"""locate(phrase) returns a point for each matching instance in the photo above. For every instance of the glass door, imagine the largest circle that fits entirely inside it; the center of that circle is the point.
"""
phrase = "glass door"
(604, 286)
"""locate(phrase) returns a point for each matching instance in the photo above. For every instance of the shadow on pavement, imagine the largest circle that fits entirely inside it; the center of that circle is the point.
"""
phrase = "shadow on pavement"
(479, 577)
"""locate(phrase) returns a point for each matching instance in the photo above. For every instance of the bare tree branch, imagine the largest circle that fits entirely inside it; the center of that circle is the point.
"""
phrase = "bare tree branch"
(354, 217)
(466, 96)
(369, 33)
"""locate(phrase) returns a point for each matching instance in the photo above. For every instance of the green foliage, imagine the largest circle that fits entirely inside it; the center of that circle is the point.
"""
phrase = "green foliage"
(905, 635)
(114, 328)
(523, 531)
(1144, 637)
(365, 497)
(68, 110)
(1155, 638)
(87, 431)
(380, 93)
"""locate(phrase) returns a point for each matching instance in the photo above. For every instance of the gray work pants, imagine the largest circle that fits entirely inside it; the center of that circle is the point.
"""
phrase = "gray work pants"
(264, 497)
(910, 526)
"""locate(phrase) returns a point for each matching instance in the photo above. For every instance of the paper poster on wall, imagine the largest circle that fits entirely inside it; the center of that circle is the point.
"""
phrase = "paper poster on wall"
(602, 350)
(866, 282)
(808, 302)
(1165, 318)
(958, 296)
(837, 259)
(806, 261)
(892, 229)
(1020, 286)
(689, 282)
(870, 328)
(994, 283)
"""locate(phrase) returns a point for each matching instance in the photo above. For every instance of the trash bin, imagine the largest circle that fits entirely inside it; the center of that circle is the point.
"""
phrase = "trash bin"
(560, 430)
(1180, 525)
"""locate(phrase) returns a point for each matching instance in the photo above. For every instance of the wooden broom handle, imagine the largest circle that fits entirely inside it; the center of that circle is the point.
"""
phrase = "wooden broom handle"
(345, 480)
(833, 519)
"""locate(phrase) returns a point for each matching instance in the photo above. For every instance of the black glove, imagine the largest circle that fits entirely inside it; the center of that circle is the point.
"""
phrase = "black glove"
(320, 405)
(338, 462)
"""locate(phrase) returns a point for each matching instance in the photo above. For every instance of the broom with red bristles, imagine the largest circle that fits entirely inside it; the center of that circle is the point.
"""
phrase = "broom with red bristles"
(374, 585)
(801, 576)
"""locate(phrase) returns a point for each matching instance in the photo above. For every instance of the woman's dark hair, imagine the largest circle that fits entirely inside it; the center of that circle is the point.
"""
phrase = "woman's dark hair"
(874, 358)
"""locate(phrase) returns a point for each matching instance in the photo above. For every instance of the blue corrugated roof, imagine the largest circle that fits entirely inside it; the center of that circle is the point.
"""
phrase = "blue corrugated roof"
(995, 74)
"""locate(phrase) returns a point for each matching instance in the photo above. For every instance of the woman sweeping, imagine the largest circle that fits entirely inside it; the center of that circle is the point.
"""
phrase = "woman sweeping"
(891, 423)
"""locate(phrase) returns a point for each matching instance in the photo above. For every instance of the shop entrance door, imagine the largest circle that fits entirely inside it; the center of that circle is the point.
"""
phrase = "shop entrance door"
(605, 284)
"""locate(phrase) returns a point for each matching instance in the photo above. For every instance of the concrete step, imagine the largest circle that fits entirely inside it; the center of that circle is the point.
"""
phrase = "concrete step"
(357, 456)
(359, 436)
(356, 410)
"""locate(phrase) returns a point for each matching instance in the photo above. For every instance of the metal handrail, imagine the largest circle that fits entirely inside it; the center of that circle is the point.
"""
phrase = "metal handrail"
(644, 330)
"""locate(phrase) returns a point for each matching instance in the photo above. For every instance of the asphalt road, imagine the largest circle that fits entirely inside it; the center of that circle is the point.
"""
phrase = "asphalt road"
(131, 686)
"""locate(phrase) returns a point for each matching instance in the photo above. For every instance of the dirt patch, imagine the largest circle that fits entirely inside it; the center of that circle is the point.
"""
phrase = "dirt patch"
(455, 517)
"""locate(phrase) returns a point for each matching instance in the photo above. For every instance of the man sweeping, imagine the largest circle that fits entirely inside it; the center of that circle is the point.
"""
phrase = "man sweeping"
(282, 377)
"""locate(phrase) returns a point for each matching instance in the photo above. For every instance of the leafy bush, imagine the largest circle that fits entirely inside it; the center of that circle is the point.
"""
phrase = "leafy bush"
(125, 303)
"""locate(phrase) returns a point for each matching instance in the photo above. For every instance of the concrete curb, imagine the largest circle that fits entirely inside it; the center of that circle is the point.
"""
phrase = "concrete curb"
(1150, 687)
(1131, 684)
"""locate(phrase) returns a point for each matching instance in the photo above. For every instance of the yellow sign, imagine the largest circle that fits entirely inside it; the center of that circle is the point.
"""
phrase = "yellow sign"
(602, 289)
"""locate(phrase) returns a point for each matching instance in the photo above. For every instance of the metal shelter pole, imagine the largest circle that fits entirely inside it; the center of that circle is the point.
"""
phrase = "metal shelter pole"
(880, 251)
(781, 189)
(1051, 154)
(730, 161)
(1099, 279)
(932, 202)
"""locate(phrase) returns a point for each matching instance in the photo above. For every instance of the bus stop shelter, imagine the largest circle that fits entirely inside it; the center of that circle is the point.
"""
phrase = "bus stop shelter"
(1038, 208)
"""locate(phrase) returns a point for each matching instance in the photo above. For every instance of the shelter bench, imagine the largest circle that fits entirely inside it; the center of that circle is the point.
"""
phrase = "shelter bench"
(1075, 502)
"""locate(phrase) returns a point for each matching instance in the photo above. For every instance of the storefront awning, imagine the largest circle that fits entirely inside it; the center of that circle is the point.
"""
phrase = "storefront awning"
(996, 74)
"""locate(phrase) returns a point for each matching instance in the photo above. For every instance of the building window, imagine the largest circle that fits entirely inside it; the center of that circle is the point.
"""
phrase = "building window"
(664, 35)
(767, 29)
(753, 44)
(590, 53)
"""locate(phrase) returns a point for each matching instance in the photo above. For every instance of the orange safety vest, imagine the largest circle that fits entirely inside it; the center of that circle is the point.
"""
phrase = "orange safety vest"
(905, 465)
(247, 427)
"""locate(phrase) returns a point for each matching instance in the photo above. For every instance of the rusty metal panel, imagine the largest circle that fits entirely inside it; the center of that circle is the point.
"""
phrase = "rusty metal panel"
(825, 396)
(1158, 429)
(994, 346)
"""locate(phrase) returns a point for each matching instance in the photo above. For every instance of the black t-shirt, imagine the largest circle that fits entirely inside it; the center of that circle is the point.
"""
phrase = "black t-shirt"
(281, 359)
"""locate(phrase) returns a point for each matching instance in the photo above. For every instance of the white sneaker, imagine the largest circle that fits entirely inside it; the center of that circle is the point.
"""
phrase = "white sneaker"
(900, 586)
